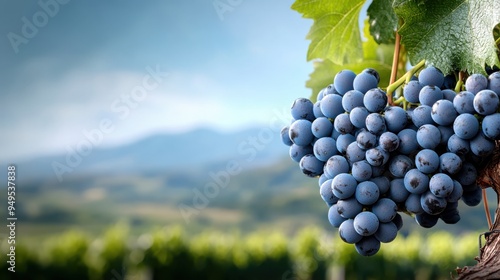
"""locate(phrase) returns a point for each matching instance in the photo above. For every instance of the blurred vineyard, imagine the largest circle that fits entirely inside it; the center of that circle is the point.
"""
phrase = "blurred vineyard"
(170, 253)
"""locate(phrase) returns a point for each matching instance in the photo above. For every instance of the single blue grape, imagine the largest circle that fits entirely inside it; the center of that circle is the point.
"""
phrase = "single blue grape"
(416, 182)
(323, 178)
(343, 124)
(408, 141)
(396, 118)
(467, 175)
(431, 76)
(352, 99)
(317, 110)
(330, 89)
(457, 192)
(427, 161)
(422, 115)
(429, 95)
(432, 204)
(475, 83)
(449, 94)
(354, 153)
(482, 146)
(302, 108)
(343, 141)
(366, 140)
(386, 232)
(379, 170)
(375, 100)
(412, 90)
(300, 132)
(367, 193)
(372, 72)
(321, 94)
(298, 152)
(347, 232)
(285, 138)
(428, 136)
(464, 102)
(397, 191)
(472, 198)
(358, 116)
(377, 156)
(389, 141)
(443, 112)
(336, 165)
(486, 102)
(344, 185)
(321, 127)
(450, 215)
(366, 223)
(494, 82)
(491, 126)
(441, 185)
(326, 193)
(398, 221)
(343, 81)
(368, 246)
(426, 220)
(335, 134)
(466, 126)
(458, 145)
(399, 165)
(349, 208)
(382, 183)
(412, 204)
(375, 123)
(324, 148)
(364, 81)
(446, 133)
(311, 166)
(334, 217)
(361, 170)
(331, 106)
(449, 82)
(385, 209)
(450, 163)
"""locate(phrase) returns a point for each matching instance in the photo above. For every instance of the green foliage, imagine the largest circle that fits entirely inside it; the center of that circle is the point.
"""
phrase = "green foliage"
(383, 21)
(375, 56)
(335, 33)
(451, 35)
(170, 254)
(64, 257)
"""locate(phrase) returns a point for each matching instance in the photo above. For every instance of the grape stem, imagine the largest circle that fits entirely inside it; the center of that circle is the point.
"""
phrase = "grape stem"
(460, 82)
(405, 78)
(395, 63)
(486, 209)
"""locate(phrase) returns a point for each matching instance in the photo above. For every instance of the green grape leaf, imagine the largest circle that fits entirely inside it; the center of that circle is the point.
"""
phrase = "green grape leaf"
(383, 21)
(335, 32)
(450, 34)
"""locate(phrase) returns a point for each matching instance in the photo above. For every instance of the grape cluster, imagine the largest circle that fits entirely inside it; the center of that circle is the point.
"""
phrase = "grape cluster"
(373, 160)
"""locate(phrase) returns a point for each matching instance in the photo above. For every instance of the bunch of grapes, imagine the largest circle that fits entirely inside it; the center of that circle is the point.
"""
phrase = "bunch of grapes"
(374, 160)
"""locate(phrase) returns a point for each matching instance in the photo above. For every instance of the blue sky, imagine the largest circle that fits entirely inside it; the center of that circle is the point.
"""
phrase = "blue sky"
(225, 72)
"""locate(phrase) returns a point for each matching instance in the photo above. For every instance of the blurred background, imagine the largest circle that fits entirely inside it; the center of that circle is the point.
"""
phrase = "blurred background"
(146, 143)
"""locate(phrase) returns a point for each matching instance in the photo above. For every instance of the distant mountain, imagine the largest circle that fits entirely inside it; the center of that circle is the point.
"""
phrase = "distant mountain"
(196, 149)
